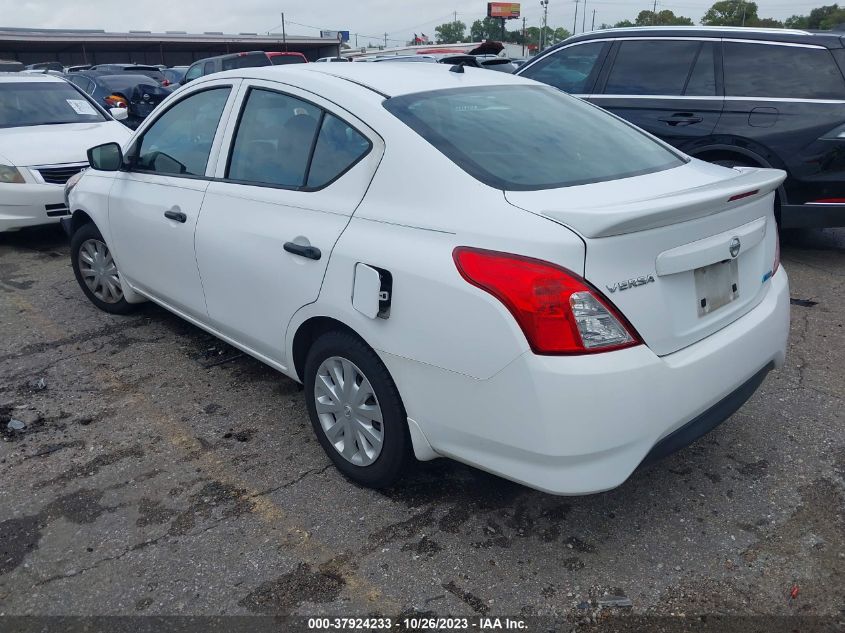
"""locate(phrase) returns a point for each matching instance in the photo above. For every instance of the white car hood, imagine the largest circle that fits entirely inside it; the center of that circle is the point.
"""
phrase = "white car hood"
(57, 144)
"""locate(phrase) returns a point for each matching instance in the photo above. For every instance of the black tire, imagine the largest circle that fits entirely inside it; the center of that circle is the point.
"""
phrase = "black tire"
(396, 453)
(87, 232)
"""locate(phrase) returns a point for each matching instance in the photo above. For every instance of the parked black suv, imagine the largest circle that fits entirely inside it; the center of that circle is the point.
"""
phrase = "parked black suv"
(733, 96)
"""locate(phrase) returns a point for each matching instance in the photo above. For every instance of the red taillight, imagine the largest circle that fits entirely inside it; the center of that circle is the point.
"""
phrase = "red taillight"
(115, 101)
(740, 196)
(828, 201)
(558, 312)
(165, 83)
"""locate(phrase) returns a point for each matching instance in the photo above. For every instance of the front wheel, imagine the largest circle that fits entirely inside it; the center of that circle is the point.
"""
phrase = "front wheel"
(96, 271)
(356, 410)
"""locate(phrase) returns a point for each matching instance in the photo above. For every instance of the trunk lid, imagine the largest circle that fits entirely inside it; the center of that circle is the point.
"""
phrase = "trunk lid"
(684, 260)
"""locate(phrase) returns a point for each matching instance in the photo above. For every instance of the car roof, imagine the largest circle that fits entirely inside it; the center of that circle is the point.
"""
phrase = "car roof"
(829, 39)
(390, 80)
(14, 77)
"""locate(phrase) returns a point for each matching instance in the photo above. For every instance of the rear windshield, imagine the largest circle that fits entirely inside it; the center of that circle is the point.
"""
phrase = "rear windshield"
(44, 103)
(250, 60)
(281, 60)
(523, 138)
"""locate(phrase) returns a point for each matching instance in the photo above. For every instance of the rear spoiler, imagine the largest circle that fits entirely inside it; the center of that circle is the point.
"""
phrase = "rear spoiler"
(679, 206)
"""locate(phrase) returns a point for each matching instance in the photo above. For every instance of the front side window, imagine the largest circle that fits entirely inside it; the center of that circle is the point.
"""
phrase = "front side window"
(654, 67)
(274, 139)
(768, 70)
(525, 138)
(570, 69)
(179, 141)
(208, 68)
(29, 103)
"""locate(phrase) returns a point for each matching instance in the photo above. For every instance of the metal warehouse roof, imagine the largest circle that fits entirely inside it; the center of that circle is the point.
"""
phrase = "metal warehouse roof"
(43, 36)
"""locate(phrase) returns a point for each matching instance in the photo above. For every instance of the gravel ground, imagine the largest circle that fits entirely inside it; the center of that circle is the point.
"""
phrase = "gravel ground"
(161, 472)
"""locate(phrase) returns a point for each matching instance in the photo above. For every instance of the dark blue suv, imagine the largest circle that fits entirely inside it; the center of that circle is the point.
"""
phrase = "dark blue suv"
(733, 96)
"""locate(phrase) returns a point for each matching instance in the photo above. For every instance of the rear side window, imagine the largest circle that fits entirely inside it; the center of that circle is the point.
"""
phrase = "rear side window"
(274, 140)
(179, 142)
(569, 69)
(768, 70)
(524, 138)
(660, 67)
(338, 147)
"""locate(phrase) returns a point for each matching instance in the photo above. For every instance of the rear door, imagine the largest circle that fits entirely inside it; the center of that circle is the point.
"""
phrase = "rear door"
(297, 168)
(666, 86)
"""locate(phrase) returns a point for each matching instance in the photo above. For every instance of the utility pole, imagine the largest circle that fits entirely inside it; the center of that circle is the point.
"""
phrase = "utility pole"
(575, 23)
(523, 36)
(545, 5)
(284, 36)
(385, 40)
(593, 25)
(654, 13)
(743, 13)
(584, 17)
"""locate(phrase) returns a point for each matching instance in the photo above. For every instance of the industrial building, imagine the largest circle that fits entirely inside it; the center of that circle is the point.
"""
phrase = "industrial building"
(173, 48)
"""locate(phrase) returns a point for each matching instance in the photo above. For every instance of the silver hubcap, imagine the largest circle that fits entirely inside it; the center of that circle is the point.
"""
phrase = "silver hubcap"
(349, 411)
(99, 271)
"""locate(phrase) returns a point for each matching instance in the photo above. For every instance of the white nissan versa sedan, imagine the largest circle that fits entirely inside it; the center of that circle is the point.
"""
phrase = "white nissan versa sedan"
(46, 126)
(454, 262)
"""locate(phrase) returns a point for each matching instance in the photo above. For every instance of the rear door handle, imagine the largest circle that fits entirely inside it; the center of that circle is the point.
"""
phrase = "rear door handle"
(682, 118)
(311, 252)
(177, 216)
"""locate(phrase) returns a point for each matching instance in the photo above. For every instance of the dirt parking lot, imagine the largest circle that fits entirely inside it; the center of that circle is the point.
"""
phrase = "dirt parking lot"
(158, 471)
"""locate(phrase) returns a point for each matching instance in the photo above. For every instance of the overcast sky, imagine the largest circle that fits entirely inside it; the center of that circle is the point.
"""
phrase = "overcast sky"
(370, 18)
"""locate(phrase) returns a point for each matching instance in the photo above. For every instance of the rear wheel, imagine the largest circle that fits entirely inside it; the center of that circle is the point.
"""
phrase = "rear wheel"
(96, 271)
(356, 410)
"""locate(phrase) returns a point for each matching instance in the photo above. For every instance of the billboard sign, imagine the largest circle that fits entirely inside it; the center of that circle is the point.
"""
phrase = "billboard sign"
(342, 36)
(505, 10)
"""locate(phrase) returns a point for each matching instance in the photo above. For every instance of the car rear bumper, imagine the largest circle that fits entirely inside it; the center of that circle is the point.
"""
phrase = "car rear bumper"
(818, 215)
(578, 425)
(23, 205)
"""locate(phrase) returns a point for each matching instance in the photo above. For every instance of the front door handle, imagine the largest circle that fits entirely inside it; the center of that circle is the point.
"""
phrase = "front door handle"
(311, 252)
(682, 118)
(177, 216)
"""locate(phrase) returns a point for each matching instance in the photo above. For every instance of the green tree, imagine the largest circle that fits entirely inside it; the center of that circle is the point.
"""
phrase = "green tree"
(451, 32)
(623, 24)
(730, 13)
(486, 29)
(826, 17)
(661, 18)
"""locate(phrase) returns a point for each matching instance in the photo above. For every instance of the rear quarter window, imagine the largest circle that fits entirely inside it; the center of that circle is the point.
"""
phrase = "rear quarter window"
(770, 70)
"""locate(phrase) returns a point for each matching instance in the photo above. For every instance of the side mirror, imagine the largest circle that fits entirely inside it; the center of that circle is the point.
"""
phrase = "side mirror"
(119, 114)
(106, 157)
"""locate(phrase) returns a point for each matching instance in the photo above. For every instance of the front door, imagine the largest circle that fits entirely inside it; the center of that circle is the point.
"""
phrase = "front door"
(154, 205)
(296, 173)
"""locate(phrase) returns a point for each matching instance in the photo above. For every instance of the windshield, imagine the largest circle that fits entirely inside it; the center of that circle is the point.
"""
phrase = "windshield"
(523, 138)
(44, 103)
